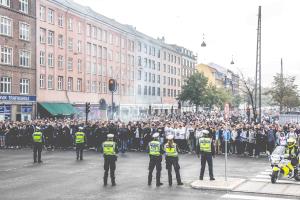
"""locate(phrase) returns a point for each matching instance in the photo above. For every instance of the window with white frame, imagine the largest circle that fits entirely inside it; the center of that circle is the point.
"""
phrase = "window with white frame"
(42, 13)
(94, 86)
(104, 88)
(110, 38)
(104, 53)
(104, 36)
(79, 63)
(50, 60)
(79, 84)
(60, 62)
(24, 86)
(79, 28)
(99, 34)
(70, 24)
(50, 37)
(88, 48)
(50, 16)
(139, 75)
(110, 55)
(94, 68)
(79, 46)
(5, 3)
(88, 67)
(88, 86)
(5, 26)
(88, 30)
(42, 57)
(70, 44)
(42, 81)
(99, 69)
(60, 41)
(6, 56)
(24, 31)
(24, 6)
(70, 84)
(42, 35)
(24, 57)
(50, 82)
(70, 64)
(94, 32)
(99, 51)
(94, 50)
(60, 81)
(100, 87)
(5, 85)
(60, 20)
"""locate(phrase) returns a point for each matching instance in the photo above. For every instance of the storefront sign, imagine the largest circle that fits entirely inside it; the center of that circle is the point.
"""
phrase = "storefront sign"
(17, 98)
(26, 109)
(5, 109)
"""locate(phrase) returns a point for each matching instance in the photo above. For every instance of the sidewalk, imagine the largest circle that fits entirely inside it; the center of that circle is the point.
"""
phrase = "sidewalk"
(218, 184)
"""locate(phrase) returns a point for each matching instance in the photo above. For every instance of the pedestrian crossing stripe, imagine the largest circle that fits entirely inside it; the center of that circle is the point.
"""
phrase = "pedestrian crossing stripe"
(248, 197)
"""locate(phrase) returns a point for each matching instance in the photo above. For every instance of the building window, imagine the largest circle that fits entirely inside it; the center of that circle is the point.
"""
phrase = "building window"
(79, 46)
(5, 26)
(139, 76)
(88, 86)
(24, 86)
(42, 57)
(50, 60)
(88, 48)
(149, 90)
(169, 93)
(94, 86)
(165, 68)
(70, 24)
(153, 78)
(158, 78)
(79, 66)
(153, 91)
(5, 3)
(24, 58)
(50, 16)
(60, 62)
(42, 35)
(24, 6)
(50, 82)
(164, 80)
(70, 64)
(6, 55)
(164, 92)
(139, 90)
(42, 81)
(94, 68)
(70, 84)
(60, 41)
(99, 69)
(158, 91)
(42, 13)
(79, 84)
(24, 31)
(60, 21)
(5, 85)
(145, 90)
(94, 32)
(79, 28)
(50, 37)
(94, 50)
(60, 81)
(70, 44)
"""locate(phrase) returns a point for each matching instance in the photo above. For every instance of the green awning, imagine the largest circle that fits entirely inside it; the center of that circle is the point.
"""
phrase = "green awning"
(59, 108)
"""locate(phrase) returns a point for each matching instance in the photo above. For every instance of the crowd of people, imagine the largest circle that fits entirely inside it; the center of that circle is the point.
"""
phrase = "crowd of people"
(242, 138)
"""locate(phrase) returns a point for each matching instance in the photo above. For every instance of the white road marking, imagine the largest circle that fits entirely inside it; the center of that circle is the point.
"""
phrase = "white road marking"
(266, 173)
(248, 197)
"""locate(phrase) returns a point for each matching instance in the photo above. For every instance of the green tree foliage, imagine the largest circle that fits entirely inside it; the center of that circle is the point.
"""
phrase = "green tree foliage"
(284, 92)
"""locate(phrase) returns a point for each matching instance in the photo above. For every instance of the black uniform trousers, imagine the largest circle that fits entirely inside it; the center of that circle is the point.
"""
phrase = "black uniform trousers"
(37, 151)
(206, 157)
(155, 161)
(79, 150)
(109, 164)
(173, 161)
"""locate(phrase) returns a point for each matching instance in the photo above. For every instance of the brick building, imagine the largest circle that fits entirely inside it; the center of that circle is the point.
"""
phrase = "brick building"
(17, 59)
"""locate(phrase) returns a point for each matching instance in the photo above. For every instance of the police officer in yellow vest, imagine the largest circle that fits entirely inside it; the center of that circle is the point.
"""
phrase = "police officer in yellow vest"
(38, 140)
(110, 151)
(207, 150)
(155, 153)
(292, 153)
(80, 140)
(171, 153)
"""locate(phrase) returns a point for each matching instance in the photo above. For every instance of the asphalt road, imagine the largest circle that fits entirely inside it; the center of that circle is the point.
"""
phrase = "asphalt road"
(60, 176)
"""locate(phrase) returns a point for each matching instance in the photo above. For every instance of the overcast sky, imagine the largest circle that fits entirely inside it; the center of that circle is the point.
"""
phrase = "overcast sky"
(229, 27)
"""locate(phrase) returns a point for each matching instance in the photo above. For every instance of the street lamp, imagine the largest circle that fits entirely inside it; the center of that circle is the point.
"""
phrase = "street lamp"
(203, 42)
(231, 60)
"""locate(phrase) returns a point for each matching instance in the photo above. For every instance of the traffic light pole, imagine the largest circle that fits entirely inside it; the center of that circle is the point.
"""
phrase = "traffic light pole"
(86, 117)
(112, 105)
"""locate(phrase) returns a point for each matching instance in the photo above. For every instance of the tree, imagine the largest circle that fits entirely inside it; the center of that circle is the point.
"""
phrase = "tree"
(194, 90)
(284, 91)
(212, 96)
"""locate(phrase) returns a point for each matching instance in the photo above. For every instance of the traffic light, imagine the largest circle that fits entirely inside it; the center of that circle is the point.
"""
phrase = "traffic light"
(87, 107)
(112, 85)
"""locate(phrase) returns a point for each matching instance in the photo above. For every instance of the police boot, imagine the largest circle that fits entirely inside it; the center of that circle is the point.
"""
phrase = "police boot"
(158, 183)
(105, 178)
(113, 178)
(170, 178)
(149, 179)
(178, 178)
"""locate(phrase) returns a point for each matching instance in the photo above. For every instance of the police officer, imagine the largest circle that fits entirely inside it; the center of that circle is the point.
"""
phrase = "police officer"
(80, 140)
(110, 151)
(207, 150)
(155, 152)
(292, 153)
(37, 137)
(171, 152)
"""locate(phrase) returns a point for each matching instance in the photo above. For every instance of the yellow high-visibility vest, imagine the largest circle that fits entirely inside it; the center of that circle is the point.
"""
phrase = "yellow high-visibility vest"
(171, 151)
(205, 145)
(79, 137)
(109, 148)
(154, 148)
(37, 137)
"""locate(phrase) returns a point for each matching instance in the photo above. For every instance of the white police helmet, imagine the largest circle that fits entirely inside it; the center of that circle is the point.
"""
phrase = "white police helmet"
(80, 128)
(110, 135)
(155, 135)
(37, 128)
(170, 137)
(205, 132)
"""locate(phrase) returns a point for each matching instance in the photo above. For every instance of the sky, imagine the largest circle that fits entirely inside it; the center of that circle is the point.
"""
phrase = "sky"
(229, 28)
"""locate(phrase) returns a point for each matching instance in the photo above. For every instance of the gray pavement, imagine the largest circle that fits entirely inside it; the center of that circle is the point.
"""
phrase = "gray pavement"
(60, 176)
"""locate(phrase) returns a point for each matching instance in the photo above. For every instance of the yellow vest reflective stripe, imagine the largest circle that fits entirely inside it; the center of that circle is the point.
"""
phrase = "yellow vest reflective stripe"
(79, 137)
(205, 145)
(109, 148)
(154, 148)
(171, 151)
(37, 137)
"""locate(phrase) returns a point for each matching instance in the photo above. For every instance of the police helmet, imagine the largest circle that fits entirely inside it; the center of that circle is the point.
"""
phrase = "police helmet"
(37, 128)
(155, 135)
(291, 142)
(205, 132)
(110, 136)
(80, 128)
(170, 137)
